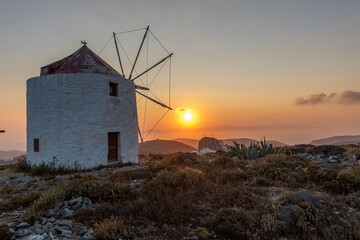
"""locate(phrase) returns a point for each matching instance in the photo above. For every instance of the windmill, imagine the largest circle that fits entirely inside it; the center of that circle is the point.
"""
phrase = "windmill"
(133, 76)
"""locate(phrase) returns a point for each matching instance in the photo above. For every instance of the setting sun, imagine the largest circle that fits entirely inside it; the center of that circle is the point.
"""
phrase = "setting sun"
(187, 116)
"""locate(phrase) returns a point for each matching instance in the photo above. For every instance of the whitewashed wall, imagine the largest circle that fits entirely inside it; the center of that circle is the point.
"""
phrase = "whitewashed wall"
(71, 114)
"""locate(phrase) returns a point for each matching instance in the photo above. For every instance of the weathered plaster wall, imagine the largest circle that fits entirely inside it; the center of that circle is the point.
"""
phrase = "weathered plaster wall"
(72, 114)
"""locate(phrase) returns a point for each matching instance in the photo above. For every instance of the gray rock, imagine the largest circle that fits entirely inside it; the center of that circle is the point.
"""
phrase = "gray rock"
(327, 150)
(50, 213)
(66, 223)
(328, 166)
(43, 220)
(23, 232)
(89, 235)
(35, 237)
(67, 212)
(59, 205)
(22, 225)
(76, 206)
(86, 202)
(79, 229)
(60, 229)
(67, 233)
(52, 219)
(13, 224)
(41, 231)
(76, 200)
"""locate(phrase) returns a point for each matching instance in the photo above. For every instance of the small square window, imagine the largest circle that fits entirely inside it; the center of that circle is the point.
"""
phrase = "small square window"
(36, 145)
(113, 87)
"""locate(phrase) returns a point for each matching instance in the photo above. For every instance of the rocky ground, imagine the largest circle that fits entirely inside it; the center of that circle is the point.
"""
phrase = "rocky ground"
(301, 192)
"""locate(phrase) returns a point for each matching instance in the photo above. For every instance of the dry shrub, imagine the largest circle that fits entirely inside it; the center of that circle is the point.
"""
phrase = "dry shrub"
(113, 230)
(347, 181)
(5, 233)
(16, 202)
(155, 156)
(48, 199)
(181, 159)
(223, 162)
(101, 191)
(304, 215)
(233, 223)
(234, 195)
(98, 191)
(170, 197)
(137, 173)
(234, 176)
(275, 158)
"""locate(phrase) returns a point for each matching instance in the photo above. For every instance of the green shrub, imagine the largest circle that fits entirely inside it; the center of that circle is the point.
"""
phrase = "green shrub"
(253, 152)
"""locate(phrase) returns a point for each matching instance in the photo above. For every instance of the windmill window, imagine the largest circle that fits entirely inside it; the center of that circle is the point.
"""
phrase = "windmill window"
(36, 145)
(113, 87)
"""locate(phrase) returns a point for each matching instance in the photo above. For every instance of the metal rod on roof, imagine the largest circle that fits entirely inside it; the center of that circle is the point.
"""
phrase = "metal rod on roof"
(152, 67)
(117, 51)
(142, 42)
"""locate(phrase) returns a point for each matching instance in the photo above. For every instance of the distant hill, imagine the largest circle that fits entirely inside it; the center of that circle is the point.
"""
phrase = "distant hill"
(10, 154)
(337, 140)
(248, 141)
(188, 141)
(164, 147)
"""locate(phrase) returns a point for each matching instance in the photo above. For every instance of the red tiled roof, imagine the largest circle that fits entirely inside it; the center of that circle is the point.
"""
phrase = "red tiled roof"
(81, 61)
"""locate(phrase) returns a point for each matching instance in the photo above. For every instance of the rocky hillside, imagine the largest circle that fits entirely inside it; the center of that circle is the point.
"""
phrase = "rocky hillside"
(164, 147)
(300, 192)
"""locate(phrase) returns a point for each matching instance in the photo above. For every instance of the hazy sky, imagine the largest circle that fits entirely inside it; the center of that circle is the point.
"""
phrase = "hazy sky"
(288, 70)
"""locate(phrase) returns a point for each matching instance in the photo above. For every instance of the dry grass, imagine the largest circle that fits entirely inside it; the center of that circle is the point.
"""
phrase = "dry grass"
(226, 198)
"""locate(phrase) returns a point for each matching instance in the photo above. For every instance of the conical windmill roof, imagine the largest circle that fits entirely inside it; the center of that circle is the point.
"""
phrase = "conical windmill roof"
(81, 61)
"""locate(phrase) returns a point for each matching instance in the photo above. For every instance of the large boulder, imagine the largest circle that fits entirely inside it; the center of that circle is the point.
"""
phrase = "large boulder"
(208, 144)
(326, 150)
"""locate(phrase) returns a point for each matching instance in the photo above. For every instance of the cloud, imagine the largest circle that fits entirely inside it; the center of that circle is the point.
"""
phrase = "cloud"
(312, 99)
(346, 98)
(349, 97)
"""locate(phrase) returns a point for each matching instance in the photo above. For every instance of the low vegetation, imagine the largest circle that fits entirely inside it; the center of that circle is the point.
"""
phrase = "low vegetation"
(181, 195)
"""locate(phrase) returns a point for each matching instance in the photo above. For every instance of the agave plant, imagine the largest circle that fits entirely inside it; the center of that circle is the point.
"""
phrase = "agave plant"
(255, 150)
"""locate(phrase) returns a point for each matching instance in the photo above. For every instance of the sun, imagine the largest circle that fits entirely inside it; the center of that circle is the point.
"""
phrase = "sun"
(188, 116)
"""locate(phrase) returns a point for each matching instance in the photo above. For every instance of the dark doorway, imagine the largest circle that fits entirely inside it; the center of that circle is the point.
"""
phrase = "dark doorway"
(113, 146)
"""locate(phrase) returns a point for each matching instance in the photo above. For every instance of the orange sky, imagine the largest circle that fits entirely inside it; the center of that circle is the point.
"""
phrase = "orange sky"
(239, 65)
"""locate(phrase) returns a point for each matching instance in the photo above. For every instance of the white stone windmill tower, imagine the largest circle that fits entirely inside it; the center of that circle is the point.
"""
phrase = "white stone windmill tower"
(82, 112)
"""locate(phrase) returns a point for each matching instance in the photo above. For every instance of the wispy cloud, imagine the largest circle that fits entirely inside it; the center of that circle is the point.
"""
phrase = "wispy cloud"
(346, 98)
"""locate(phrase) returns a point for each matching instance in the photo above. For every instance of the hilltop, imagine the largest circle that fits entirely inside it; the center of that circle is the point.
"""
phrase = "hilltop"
(164, 147)
(337, 140)
(10, 154)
